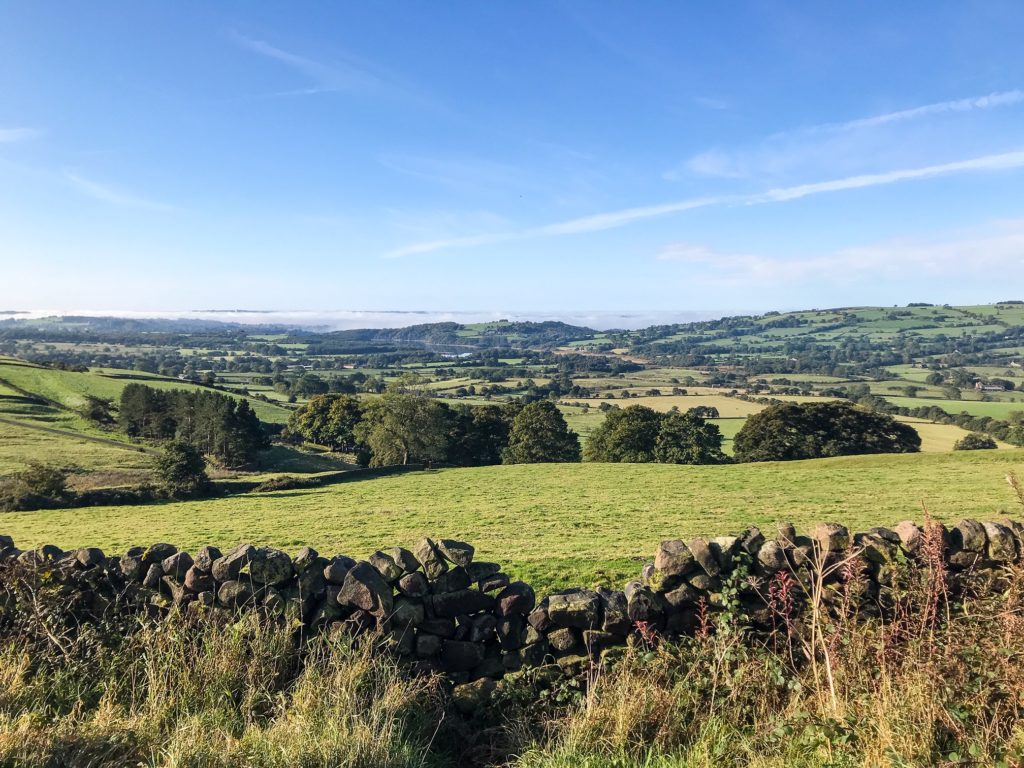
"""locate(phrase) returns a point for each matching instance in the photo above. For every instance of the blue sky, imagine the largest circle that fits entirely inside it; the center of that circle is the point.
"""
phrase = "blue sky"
(509, 155)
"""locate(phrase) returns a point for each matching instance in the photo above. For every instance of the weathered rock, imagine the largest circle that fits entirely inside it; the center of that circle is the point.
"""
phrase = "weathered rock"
(407, 613)
(538, 617)
(197, 580)
(228, 567)
(234, 594)
(968, 536)
(787, 535)
(404, 559)
(414, 585)
(427, 645)
(156, 553)
(750, 540)
(701, 550)
(648, 572)
(509, 630)
(684, 596)
(401, 641)
(831, 537)
(877, 546)
(724, 548)
(430, 558)
(704, 583)
(268, 566)
(310, 581)
(131, 564)
(452, 580)
(614, 612)
(365, 589)
(579, 608)
(771, 557)
(482, 628)
(642, 605)
(494, 582)
(337, 569)
(177, 565)
(674, 558)
(307, 558)
(478, 571)
(516, 598)
(456, 552)
(563, 639)
(205, 557)
(89, 557)
(964, 560)
(471, 698)
(206, 599)
(175, 590)
(683, 622)
(153, 575)
(490, 667)
(386, 566)
(911, 537)
(464, 602)
(459, 656)
(440, 627)
(1002, 546)
(595, 641)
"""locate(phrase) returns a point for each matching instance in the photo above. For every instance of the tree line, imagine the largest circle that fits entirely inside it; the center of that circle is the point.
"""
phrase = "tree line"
(219, 426)
(408, 428)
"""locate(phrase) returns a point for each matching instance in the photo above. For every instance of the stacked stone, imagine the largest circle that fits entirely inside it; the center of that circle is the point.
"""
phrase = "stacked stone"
(446, 612)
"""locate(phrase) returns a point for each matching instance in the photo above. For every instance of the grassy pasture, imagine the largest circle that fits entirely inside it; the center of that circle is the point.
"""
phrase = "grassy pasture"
(20, 445)
(727, 406)
(69, 388)
(997, 410)
(556, 524)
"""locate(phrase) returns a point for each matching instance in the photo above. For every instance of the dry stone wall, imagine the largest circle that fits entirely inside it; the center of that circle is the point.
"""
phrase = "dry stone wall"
(445, 611)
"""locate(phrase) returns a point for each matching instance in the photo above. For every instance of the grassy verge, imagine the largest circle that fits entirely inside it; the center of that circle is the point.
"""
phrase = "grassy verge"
(554, 525)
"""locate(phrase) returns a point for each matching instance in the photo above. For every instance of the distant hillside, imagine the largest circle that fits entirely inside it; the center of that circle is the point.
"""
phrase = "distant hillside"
(878, 336)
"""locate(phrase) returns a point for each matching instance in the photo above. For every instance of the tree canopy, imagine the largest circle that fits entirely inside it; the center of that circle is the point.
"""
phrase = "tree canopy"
(791, 431)
(540, 435)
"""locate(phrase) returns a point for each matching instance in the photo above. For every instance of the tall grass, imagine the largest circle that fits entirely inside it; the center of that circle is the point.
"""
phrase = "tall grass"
(938, 683)
(177, 694)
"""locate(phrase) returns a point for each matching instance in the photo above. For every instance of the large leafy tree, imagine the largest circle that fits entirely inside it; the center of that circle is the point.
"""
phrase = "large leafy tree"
(180, 471)
(816, 430)
(626, 435)
(540, 435)
(328, 420)
(403, 429)
(686, 438)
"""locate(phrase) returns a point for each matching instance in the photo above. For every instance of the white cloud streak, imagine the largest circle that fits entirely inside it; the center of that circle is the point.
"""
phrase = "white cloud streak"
(336, 77)
(108, 194)
(821, 143)
(989, 101)
(626, 216)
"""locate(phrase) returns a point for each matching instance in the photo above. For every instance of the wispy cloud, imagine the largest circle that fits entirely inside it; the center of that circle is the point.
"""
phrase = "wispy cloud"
(993, 249)
(824, 143)
(340, 75)
(626, 216)
(12, 135)
(989, 101)
(109, 194)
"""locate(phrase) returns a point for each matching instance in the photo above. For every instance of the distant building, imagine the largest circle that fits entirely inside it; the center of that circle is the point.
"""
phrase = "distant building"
(982, 387)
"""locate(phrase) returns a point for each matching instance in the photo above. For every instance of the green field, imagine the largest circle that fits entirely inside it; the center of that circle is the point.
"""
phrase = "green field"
(69, 389)
(560, 524)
